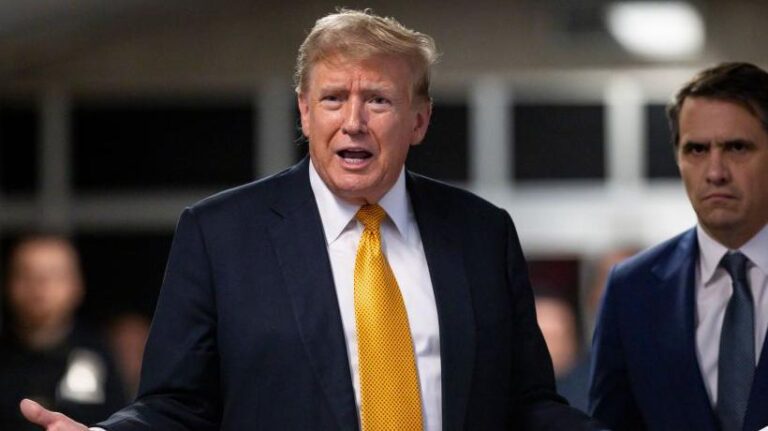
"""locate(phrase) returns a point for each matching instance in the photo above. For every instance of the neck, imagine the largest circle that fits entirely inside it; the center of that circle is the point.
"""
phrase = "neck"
(360, 200)
(733, 239)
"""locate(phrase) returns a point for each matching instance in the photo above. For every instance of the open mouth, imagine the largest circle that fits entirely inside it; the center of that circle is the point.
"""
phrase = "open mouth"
(354, 155)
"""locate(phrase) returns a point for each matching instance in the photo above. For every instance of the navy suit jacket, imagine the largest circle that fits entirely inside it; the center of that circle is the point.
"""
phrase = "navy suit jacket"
(645, 375)
(248, 335)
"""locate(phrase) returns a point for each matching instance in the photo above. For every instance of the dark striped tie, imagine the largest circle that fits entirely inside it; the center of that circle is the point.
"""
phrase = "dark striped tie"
(736, 363)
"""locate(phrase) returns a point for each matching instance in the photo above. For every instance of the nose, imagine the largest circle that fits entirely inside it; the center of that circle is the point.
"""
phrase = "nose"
(718, 172)
(355, 121)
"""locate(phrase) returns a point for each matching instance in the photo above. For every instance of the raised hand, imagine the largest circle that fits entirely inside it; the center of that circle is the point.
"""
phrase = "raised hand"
(51, 421)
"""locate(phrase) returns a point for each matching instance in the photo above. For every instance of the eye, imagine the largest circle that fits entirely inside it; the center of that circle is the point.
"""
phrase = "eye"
(379, 100)
(737, 146)
(695, 148)
(331, 101)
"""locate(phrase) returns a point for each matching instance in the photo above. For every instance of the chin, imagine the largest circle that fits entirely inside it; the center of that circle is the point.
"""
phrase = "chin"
(355, 194)
(721, 223)
(355, 184)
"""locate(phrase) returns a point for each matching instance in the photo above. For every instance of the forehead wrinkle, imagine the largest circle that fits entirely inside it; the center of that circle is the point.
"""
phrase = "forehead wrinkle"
(698, 127)
(716, 139)
(718, 135)
(340, 64)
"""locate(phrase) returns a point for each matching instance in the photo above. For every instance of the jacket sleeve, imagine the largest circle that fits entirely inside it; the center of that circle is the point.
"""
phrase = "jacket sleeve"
(179, 387)
(610, 396)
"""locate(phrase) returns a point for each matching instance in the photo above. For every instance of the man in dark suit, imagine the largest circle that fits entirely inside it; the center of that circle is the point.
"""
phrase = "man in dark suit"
(346, 293)
(682, 326)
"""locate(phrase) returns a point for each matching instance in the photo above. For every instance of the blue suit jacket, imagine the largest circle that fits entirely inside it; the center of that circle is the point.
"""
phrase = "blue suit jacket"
(248, 335)
(645, 375)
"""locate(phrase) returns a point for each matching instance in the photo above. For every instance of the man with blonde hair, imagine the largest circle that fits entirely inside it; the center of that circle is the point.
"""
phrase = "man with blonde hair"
(346, 293)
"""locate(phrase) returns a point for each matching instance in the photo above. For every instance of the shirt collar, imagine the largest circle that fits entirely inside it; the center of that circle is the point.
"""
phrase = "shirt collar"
(756, 249)
(336, 213)
(711, 252)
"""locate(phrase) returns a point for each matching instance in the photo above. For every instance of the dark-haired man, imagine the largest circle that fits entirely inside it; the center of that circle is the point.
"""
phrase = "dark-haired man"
(679, 340)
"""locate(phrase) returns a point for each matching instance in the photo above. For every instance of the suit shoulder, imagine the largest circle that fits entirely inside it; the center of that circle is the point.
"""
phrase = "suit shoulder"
(256, 195)
(451, 197)
(644, 261)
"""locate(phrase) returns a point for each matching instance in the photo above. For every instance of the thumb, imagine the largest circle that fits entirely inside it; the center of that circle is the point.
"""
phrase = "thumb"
(36, 413)
(39, 415)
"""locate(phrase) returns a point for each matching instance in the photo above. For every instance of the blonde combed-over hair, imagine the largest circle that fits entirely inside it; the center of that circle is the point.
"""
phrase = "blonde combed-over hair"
(359, 35)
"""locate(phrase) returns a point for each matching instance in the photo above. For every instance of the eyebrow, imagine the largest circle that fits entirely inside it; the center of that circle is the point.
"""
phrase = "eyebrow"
(738, 141)
(742, 141)
(367, 87)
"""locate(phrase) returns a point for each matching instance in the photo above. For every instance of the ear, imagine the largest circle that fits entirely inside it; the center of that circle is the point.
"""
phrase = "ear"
(304, 113)
(423, 114)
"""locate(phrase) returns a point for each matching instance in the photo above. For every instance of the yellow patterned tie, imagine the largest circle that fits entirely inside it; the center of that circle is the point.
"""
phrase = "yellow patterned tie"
(389, 384)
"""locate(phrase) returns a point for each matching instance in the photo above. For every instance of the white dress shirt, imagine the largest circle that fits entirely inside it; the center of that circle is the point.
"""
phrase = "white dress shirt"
(714, 289)
(401, 243)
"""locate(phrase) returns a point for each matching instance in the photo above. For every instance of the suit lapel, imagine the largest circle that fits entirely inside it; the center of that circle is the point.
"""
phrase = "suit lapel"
(673, 301)
(454, 304)
(298, 240)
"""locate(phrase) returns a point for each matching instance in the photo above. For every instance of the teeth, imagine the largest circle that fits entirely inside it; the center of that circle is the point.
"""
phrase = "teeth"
(354, 154)
(353, 161)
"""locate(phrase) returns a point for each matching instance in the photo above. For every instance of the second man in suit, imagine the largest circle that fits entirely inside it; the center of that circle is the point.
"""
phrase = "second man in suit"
(678, 344)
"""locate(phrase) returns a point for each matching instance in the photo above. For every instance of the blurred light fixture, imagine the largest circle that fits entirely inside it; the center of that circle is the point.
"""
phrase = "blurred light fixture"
(663, 30)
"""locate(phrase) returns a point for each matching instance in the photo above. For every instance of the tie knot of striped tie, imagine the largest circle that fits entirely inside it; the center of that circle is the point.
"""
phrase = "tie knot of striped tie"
(371, 215)
(736, 265)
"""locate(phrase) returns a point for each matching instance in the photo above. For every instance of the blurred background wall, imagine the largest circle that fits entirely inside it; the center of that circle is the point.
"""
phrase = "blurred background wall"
(114, 115)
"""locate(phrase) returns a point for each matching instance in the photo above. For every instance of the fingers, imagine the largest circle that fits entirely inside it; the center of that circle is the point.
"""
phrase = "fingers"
(39, 415)
(36, 413)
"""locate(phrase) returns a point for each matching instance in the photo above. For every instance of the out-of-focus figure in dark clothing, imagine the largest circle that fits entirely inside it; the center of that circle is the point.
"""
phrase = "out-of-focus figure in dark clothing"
(45, 354)
(128, 334)
(557, 319)
(574, 384)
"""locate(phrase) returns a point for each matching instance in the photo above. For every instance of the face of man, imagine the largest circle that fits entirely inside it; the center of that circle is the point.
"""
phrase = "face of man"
(558, 326)
(44, 287)
(360, 118)
(723, 160)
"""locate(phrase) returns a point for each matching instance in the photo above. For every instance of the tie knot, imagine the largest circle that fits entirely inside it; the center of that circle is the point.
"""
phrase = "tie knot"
(371, 216)
(736, 265)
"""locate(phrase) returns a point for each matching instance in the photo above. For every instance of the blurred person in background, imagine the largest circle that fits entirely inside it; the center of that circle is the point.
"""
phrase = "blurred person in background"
(45, 353)
(592, 294)
(557, 319)
(679, 342)
(128, 334)
(573, 384)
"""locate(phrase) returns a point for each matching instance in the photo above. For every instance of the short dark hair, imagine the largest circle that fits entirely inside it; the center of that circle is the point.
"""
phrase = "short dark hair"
(741, 83)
